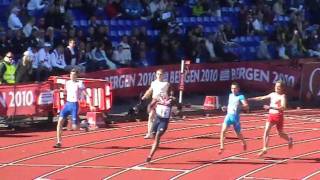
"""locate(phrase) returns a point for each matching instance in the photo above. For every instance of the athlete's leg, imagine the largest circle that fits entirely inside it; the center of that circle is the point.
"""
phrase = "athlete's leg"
(244, 144)
(155, 145)
(237, 129)
(265, 139)
(222, 136)
(59, 132)
(282, 134)
(150, 123)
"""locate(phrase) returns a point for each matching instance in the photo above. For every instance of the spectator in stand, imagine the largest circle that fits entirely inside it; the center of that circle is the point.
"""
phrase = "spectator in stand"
(4, 46)
(282, 51)
(219, 49)
(118, 56)
(72, 33)
(229, 31)
(38, 36)
(263, 50)
(257, 24)
(100, 57)
(71, 55)
(93, 22)
(7, 69)
(41, 23)
(143, 59)
(140, 33)
(56, 16)
(58, 62)
(278, 8)
(27, 29)
(34, 57)
(19, 43)
(135, 48)
(154, 7)
(24, 69)
(36, 7)
(209, 43)
(90, 62)
(198, 9)
(14, 22)
(91, 35)
(50, 36)
(296, 46)
(177, 51)
(124, 43)
(313, 7)
(89, 7)
(313, 43)
(80, 35)
(163, 47)
(62, 37)
(82, 55)
(113, 8)
(44, 67)
(242, 18)
(132, 9)
(268, 14)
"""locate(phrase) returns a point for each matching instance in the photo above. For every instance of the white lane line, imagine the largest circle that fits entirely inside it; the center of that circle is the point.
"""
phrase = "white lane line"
(282, 161)
(311, 175)
(198, 149)
(244, 153)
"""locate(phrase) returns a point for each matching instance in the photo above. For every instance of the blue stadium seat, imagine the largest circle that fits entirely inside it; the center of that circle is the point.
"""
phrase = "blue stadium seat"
(179, 19)
(113, 22)
(127, 32)
(76, 23)
(84, 22)
(128, 23)
(199, 19)
(120, 22)
(105, 22)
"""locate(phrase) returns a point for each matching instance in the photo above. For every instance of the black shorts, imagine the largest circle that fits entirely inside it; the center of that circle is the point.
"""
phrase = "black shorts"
(160, 125)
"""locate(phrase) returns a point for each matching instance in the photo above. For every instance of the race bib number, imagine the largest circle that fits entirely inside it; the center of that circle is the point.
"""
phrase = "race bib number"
(163, 111)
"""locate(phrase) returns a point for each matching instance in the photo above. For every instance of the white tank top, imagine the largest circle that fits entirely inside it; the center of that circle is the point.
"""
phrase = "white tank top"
(74, 89)
(275, 101)
(159, 87)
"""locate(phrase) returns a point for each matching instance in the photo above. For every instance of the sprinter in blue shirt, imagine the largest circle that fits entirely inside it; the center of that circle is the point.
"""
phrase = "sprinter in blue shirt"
(236, 102)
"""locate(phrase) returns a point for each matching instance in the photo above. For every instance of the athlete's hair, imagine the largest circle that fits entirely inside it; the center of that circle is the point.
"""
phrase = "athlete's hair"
(235, 84)
(280, 82)
(159, 70)
(75, 70)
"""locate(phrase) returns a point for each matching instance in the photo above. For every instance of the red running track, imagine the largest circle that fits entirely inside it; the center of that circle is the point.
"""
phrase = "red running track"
(188, 150)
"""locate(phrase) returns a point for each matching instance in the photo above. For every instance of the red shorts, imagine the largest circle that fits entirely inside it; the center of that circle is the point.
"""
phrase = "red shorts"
(276, 119)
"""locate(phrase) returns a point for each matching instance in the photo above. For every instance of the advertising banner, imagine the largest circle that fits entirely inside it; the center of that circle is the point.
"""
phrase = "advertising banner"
(25, 99)
(203, 78)
(310, 86)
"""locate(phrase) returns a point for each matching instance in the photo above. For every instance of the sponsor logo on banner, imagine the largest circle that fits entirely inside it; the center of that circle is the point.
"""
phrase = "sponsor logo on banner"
(314, 80)
(45, 98)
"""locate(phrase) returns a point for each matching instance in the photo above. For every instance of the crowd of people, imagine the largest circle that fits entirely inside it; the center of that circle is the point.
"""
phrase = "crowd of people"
(40, 38)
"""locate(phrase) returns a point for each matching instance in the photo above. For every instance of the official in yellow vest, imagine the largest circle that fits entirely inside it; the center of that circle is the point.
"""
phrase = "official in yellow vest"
(7, 69)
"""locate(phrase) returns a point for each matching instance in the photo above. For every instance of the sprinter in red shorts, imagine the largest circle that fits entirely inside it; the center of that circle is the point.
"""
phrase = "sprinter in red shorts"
(278, 103)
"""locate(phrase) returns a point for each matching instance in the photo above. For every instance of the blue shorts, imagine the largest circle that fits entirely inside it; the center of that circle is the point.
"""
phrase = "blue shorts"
(233, 119)
(70, 108)
(160, 125)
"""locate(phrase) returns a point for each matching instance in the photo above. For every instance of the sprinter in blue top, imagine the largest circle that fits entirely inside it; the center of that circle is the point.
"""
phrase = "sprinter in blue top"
(236, 102)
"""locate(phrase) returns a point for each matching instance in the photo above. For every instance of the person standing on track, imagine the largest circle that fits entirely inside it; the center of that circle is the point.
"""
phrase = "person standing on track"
(278, 103)
(233, 115)
(74, 89)
(157, 87)
(163, 105)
